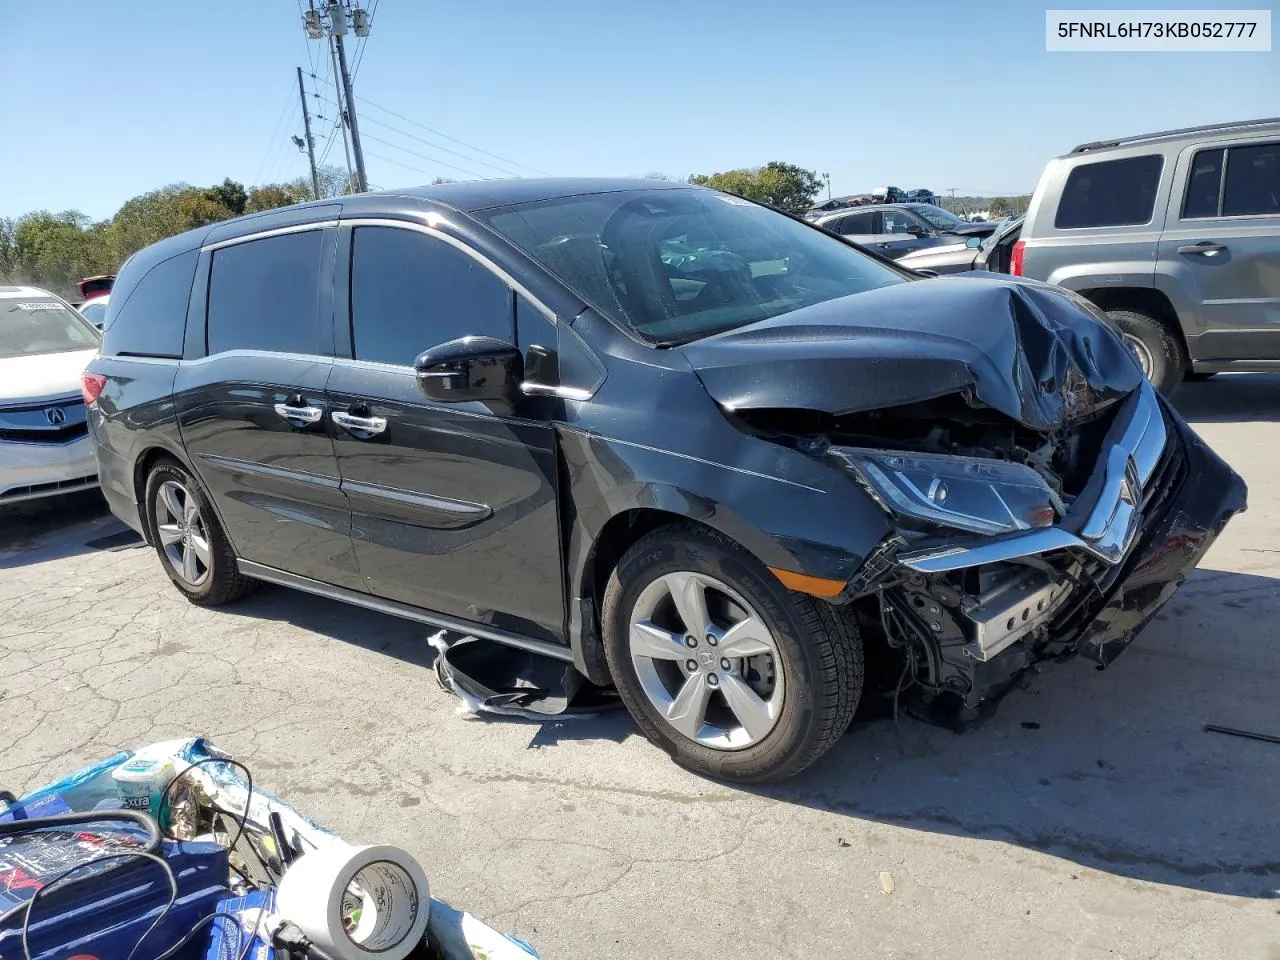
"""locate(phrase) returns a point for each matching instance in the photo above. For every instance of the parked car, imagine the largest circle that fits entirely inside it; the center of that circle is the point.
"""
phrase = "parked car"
(95, 309)
(1176, 235)
(993, 253)
(893, 230)
(695, 447)
(44, 443)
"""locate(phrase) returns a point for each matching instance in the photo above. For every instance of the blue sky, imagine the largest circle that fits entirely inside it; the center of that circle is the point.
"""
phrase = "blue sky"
(936, 94)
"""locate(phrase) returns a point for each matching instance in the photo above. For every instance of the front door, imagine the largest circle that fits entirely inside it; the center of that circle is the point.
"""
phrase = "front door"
(250, 402)
(1224, 243)
(453, 505)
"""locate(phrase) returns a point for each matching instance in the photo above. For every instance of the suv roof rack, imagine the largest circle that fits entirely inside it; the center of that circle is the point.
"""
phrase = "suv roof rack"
(1239, 124)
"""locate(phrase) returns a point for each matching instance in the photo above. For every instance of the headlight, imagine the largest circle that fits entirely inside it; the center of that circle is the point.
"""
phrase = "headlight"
(968, 493)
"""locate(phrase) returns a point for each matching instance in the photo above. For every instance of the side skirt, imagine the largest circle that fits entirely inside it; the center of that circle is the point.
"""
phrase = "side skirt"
(284, 579)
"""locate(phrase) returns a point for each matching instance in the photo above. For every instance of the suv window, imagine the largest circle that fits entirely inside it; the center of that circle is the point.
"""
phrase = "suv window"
(1111, 193)
(855, 224)
(896, 221)
(148, 317)
(411, 291)
(264, 295)
(1203, 185)
(1253, 181)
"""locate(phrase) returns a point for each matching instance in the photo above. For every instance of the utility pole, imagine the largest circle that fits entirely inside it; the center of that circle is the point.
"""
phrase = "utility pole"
(331, 22)
(827, 177)
(311, 143)
(954, 208)
(342, 114)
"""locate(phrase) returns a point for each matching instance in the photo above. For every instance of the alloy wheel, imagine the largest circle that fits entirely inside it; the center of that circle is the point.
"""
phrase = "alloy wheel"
(182, 533)
(1141, 352)
(706, 660)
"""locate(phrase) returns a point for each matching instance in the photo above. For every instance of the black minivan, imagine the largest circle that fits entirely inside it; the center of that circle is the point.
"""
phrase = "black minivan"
(700, 449)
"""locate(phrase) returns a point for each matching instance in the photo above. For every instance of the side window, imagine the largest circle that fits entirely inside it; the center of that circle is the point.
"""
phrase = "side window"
(1253, 181)
(1202, 185)
(411, 291)
(148, 317)
(1111, 193)
(857, 224)
(895, 221)
(264, 295)
(536, 336)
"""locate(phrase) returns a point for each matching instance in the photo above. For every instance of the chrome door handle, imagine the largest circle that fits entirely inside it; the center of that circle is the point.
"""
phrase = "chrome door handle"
(1204, 248)
(359, 424)
(299, 414)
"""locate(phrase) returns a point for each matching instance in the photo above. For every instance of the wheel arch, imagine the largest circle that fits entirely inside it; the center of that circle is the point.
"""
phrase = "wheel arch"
(1146, 300)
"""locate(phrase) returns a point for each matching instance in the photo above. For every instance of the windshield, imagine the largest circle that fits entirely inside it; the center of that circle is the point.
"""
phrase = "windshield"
(30, 325)
(677, 265)
(95, 311)
(942, 219)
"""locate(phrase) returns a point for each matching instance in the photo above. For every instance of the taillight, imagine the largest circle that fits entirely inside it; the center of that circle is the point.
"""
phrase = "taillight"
(1015, 262)
(91, 385)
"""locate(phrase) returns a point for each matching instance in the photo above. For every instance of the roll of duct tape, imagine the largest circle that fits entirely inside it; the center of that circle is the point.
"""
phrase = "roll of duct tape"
(357, 902)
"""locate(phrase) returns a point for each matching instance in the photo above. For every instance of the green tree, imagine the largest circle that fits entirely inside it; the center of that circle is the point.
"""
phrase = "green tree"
(272, 195)
(781, 185)
(230, 194)
(1000, 207)
(162, 213)
(50, 250)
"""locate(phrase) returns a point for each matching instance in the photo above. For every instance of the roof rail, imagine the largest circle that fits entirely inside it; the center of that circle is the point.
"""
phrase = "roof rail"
(1208, 127)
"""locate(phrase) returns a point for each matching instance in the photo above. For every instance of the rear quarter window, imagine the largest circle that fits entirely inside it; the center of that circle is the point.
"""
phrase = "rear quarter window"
(147, 316)
(1110, 193)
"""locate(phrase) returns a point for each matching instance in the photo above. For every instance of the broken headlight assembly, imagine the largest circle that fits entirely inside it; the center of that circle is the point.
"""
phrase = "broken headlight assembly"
(964, 493)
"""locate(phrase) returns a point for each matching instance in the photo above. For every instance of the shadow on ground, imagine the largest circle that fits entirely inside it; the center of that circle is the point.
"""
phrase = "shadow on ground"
(1107, 770)
(1230, 397)
(1111, 770)
(37, 531)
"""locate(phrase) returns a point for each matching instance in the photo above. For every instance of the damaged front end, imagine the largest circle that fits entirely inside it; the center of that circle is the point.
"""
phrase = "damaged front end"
(1047, 512)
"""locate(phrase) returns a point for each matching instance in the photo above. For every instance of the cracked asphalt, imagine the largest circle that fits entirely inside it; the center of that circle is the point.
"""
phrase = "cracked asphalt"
(1091, 817)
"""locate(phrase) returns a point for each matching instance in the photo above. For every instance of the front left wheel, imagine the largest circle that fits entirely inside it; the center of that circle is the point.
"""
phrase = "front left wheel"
(194, 551)
(732, 674)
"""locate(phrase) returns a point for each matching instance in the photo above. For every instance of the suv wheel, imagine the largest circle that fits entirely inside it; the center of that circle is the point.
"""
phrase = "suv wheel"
(1157, 349)
(723, 667)
(193, 549)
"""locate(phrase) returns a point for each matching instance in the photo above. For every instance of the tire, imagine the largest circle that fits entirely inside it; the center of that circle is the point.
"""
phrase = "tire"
(809, 680)
(1164, 353)
(213, 579)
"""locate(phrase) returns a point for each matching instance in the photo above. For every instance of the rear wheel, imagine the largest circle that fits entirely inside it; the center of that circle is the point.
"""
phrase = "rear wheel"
(720, 665)
(1157, 349)
(194, 551)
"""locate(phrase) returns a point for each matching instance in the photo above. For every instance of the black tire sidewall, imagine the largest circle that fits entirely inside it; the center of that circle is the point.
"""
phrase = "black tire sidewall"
(653, 557)
(218, 548)
(1168, 360)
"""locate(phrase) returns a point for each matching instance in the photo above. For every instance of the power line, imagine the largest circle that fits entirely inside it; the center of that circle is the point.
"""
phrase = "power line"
(373, 9)
(469, 146)
(280, 155)
(406, 166)
(423, 156)
(272, 142)
(434, 146)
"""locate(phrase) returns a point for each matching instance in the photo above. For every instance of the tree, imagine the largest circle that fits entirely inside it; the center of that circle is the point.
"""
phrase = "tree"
(50, 250)
(162, 213)
(1000, 207)
(269, 196)
(781, 185)
(230, 194)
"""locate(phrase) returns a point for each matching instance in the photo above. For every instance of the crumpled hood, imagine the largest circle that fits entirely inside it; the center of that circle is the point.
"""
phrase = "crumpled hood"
(42, 376)
(1021, 347)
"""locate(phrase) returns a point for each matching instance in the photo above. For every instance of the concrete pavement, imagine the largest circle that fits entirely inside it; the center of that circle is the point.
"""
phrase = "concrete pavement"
(1091, 817)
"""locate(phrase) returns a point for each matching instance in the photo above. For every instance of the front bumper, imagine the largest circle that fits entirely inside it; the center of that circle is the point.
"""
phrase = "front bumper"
(982, 609)
(32, 470)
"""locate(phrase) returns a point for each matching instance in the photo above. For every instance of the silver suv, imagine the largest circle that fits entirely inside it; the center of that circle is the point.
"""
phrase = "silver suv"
(1176, 235)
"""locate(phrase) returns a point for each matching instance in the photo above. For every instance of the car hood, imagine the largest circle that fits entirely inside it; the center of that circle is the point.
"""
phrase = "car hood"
(42, 376)
(1024, 348)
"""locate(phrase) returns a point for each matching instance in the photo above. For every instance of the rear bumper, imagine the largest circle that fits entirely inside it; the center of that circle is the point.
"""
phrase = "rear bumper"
(29, 471)
(116, 476)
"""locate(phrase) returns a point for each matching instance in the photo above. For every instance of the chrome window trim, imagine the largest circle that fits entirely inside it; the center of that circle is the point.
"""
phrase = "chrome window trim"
(273, 232)
(1112, 525)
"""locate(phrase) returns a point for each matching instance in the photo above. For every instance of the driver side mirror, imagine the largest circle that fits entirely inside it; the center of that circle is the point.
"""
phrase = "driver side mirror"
(471, 368)
(973, 242)
(918, 231)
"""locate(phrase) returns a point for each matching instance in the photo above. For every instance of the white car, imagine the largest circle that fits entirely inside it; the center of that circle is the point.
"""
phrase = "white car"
(44, 441)
(95, 310)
